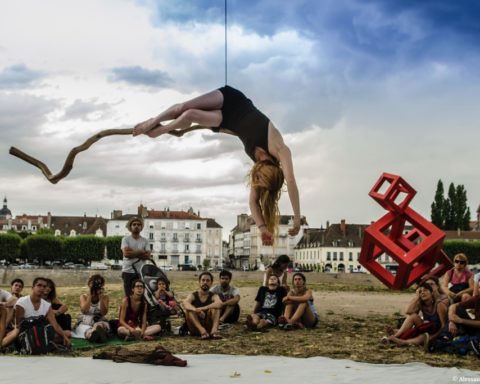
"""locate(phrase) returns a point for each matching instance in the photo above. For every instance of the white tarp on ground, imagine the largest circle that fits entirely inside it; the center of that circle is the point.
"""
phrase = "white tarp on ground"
(223, 369)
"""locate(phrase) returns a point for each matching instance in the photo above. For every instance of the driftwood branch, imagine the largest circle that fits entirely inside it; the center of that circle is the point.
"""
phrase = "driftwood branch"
(68, 165)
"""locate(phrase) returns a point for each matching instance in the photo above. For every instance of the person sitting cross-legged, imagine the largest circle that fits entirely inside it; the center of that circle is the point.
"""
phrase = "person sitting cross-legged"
(299, 309)
(268, 305)
(203, 309)
(133, 315)
(230, 297)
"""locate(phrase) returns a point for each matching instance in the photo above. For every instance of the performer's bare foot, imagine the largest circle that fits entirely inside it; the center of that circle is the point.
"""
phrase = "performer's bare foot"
(155, 132)
(145, 126)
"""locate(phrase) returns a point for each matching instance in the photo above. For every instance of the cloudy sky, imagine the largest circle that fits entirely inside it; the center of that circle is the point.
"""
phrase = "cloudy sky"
(357, 87)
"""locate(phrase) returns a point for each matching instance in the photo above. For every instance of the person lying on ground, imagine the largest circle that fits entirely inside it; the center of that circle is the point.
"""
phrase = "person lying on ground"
(268, 306)
(419, 330)
(299, 309)
(230, 296)
(202, 309)
(92, 324)
(132, 322)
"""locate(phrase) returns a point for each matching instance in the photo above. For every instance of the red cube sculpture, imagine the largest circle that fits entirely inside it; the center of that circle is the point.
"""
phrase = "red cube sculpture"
(417, 251)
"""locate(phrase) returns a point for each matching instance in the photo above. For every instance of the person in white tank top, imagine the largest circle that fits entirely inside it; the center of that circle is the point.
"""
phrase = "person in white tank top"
(34, 305)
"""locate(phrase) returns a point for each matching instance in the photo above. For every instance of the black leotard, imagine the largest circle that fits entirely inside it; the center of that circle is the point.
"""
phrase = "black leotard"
(242, 118)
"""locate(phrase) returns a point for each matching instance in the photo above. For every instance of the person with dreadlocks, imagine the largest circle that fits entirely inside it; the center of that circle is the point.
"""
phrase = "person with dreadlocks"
(228, 110)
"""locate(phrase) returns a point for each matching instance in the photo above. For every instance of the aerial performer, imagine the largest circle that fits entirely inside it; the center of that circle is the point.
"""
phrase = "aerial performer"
(228, 110)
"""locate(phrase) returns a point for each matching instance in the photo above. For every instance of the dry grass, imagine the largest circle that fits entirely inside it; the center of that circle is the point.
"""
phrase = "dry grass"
(346, 330)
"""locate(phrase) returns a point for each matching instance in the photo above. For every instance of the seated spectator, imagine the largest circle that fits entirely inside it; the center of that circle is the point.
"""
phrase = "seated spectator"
(459, 321)
(414, 304)
(165, 298)
(16, 287)
(34, 306)
(417, 330)
(458, 281)
(230, 296)
(59, 309)
(92, 324)
(476, 283)
(7, 303)
(268, 306)
(203, 309)
(133, 315)
(279, 269)
(299, 309)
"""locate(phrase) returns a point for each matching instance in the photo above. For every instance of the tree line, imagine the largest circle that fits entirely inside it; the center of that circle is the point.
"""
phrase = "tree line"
(46, 247)
(451, 213)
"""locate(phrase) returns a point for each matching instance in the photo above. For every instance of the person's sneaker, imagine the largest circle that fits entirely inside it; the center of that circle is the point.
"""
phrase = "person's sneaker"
(287, 327)
(282, 320)
(475, 345)
(299, 325)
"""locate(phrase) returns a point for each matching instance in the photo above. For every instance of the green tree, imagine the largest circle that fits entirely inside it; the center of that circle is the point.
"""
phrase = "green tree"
(45, 231)
(9, 246)
(85, 249)
(438, 207)
(456, 210)
(43, 247)
(113, 244)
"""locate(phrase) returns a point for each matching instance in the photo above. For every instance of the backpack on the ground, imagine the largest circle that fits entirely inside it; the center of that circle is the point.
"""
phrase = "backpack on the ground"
(36, 336)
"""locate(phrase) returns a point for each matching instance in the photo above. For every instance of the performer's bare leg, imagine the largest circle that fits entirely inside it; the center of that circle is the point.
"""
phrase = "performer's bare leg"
(212, 101)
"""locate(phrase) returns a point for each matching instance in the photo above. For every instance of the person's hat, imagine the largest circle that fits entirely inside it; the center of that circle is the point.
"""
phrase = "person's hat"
(136, 218)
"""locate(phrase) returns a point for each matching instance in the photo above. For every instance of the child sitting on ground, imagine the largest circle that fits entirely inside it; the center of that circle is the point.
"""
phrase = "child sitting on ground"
(165, 298)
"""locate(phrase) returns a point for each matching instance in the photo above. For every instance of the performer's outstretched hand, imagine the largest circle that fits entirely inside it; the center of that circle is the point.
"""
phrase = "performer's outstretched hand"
(267, 237)
(295, 229)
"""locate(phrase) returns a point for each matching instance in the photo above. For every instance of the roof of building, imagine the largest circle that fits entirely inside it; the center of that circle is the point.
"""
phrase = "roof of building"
(338, 235)
(4, 212)
(82, 225)
(211, 223)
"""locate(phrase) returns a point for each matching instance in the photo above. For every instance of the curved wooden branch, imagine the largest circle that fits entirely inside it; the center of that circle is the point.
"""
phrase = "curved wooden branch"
(68, 165)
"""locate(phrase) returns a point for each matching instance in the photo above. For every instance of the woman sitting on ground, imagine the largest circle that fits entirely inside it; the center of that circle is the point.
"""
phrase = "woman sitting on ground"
(133, 315)
(299, 309)
(92, 324)
(458, 281)
(58, 308)
(279, 269)
(417, 330)
(414, 305)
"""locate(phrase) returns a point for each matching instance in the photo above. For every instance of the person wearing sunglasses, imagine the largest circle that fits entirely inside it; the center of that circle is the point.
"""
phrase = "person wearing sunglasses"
(458, 281)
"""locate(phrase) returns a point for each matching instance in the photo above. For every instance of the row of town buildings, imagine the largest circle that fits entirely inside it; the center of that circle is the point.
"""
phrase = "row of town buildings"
(179, 237)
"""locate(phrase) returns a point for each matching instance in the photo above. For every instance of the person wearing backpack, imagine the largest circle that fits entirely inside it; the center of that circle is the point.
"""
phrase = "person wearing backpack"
(33, 312)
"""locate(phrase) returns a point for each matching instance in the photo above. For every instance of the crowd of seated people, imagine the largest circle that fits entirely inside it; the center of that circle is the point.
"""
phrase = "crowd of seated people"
(438, 311)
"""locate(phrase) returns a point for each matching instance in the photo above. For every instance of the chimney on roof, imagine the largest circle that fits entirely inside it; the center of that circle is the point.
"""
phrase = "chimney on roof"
(49, 220)
(142, 211)
(198, 213)
(116, 214)
(343, 227)
(328, 224)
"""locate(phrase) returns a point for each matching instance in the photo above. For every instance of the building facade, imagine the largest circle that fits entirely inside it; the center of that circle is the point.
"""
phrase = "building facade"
(246, 250)
(175, 237)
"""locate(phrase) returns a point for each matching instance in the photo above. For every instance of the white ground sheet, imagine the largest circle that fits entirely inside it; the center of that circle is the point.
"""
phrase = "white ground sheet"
(222, 369)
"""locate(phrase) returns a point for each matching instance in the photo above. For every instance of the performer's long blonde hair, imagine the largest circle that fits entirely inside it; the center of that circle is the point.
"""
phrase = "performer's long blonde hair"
(267, 178)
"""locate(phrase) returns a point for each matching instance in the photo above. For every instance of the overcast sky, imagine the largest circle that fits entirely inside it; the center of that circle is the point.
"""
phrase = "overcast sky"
(357, 87)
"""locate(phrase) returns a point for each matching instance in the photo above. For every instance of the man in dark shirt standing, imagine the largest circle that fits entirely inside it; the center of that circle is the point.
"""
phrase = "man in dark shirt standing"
(268, 305)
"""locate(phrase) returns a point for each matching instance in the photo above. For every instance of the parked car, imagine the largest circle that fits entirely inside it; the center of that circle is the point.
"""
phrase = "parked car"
(116, 267)
(98, 266)
(188, 267)
(166, 267)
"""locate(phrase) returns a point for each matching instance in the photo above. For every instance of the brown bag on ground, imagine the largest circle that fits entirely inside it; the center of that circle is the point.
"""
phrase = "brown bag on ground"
(159, 356)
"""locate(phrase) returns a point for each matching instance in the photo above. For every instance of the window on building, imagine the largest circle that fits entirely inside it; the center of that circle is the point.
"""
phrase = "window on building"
(334, 256)
(187, 247)
(358, 255)
(329, 256)
(150, 236)
(151, 247)
(350, 256)
(175, 236)
(341, 256)
(199, 226)
(151, 226)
